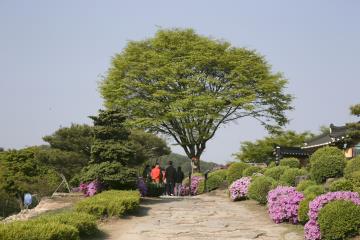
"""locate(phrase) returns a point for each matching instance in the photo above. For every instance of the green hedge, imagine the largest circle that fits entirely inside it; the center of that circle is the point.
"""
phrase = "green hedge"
(290, 175)
(83, 222)
(221, 173)
(304, 184)
(290, 162)
(38, 230)
(110, 203)
(259, 188)
(352, 165)
(275, 172)
(248, 172)
(235, 171)
(327, 162)
(341, 185)
(304, 208)
(339, 220)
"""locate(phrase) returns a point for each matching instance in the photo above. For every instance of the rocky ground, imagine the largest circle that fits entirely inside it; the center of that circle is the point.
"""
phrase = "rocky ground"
(57, 202)
(209, 216)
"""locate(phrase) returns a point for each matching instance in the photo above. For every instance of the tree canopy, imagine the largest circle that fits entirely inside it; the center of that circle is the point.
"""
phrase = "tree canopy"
(261, 151)
(353, 129)
(185, 85)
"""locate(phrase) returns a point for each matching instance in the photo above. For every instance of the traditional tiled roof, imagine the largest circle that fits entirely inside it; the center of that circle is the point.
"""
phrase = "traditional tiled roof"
(337, 133)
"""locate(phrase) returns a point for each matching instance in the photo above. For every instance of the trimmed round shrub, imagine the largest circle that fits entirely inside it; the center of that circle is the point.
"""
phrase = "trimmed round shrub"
(327, 162)
(304, 208)
(304, 184)
(352, 165)
(314, 189)
(271, 165)
(290, 162)
(355, 179)
(235, 171)
(290, 175)
(221, 173)
(339, 220)
(259, 188)
(248, 172)
(212, 183)
(275, 172)
(341, 185)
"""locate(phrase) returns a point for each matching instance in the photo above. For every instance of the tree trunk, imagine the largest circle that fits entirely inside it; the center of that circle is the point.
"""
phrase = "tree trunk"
(20, 201)
(195, 165)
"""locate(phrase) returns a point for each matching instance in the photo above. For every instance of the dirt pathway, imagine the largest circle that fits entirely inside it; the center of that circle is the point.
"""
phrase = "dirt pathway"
(209, 216)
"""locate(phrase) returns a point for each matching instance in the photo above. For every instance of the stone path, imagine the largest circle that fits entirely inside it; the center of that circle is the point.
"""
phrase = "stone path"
(209, 216)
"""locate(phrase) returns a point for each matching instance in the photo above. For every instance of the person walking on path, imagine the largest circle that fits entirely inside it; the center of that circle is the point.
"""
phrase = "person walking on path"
(155, 174)
(178, 180)
(147, 173)
(170, 174)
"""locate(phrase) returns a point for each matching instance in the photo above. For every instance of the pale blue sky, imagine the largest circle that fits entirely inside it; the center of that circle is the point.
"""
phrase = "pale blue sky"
(53, 53)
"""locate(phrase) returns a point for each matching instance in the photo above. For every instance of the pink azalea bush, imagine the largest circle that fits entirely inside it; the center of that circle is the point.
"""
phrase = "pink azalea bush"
(195, 182)
(283, 204)
(239, 188)
(184, 190)
(142, 187)
(90, 189)
(312, 228)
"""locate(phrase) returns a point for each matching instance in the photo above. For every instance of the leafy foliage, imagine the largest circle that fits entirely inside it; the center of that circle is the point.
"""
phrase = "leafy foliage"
(352, 165)
(275, 172)
(155, 189)
(304, 184)
(290, 162)
(23, 172)
(327, 162)
(185, 85)
(304, 208)
(353, 129)
(261, 151)
(339, 220)
(112, 175)
(314, 190)
(290, 175)
(76, 138)
(248, 172)
(110, 203)
(259, 188)
(341, 185)
(235, 171)
(38, 230)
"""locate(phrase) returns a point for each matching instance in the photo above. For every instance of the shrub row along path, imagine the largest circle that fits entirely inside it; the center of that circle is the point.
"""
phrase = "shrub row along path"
(208, 216)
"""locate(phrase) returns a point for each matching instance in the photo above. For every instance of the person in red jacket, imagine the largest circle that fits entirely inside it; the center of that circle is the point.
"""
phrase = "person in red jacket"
(156, 174)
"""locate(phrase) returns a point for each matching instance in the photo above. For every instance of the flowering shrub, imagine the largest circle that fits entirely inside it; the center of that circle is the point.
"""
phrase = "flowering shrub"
(312, 229)
(90, 189)
(239, 188)
(142, 187)
(195, 182)
(184, 190)
(283, 204)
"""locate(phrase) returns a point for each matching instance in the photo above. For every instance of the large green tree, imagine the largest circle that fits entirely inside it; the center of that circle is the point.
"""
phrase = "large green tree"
(261, 151)
(22, 172)
(76, 138)
(353, 129)
(185, 85)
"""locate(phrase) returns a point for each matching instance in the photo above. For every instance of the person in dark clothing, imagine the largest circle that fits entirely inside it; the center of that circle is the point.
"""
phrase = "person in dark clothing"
(147, 173)
(178, 180)
(170, 174)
